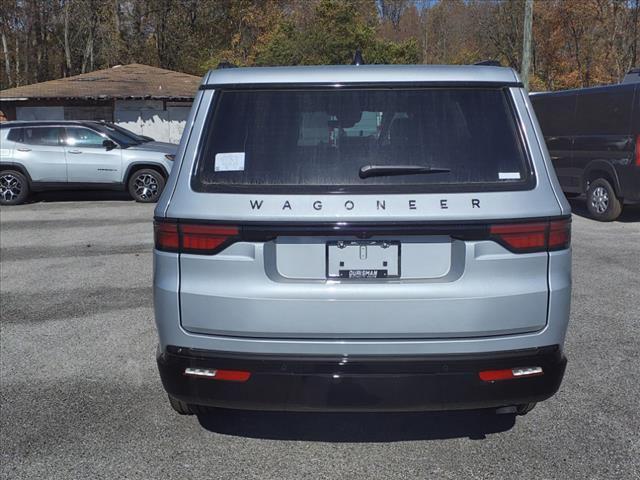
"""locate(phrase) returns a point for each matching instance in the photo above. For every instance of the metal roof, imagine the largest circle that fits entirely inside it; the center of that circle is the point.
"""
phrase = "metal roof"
(135, 81)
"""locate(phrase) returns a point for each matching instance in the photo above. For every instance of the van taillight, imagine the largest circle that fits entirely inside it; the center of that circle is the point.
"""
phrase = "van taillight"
(638, 151)
(533, 237)
(193, 237)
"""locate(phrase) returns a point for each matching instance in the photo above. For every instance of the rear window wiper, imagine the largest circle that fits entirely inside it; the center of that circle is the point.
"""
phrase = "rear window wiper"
(388, 170)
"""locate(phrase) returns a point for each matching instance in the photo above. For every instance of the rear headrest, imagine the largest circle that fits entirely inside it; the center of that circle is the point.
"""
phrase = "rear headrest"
(403, 132)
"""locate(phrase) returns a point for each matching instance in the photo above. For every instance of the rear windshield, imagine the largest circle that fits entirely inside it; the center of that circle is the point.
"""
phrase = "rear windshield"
(450, 139)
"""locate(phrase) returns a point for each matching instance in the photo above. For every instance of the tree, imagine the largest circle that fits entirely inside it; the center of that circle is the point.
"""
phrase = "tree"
(575, 42)
(338, 29)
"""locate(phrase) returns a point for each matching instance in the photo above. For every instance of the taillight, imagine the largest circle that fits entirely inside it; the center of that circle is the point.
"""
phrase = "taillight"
(205, 238)
(521, 237)
(559, 234)
(533, 237)
(166, 236)
(638, 151)
(193, 237)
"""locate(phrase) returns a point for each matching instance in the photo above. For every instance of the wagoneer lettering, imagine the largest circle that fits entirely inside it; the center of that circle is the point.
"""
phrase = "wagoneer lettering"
(379, 204)
(352, 244)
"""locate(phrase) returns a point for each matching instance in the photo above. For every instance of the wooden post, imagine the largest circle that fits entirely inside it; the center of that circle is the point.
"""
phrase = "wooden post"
(526, 43)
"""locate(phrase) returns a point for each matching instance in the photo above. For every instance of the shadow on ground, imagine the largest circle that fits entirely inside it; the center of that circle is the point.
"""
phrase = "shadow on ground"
(630, 213)
(80, 196)
(357, 427)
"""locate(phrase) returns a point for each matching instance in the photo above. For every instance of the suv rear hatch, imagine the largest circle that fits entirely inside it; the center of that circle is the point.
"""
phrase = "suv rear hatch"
(312, 207)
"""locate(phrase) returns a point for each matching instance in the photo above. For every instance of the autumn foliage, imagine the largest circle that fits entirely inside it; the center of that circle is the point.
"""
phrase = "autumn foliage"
(575, 42)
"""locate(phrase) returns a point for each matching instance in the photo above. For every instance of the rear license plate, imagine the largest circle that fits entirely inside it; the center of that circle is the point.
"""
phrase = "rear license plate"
(363, 259)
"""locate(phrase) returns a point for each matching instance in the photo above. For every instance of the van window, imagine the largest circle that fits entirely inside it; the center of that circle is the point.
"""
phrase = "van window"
(555, 113)
(604, 112)
(300, 140)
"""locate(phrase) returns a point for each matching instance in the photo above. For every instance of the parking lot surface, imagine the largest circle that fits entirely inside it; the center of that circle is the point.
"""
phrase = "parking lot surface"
(81, 397)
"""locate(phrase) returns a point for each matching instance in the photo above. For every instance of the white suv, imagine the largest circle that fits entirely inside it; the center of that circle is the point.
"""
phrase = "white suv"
(36, 156)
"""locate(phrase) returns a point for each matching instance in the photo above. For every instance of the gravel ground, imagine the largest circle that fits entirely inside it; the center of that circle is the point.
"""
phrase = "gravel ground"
(81, 397)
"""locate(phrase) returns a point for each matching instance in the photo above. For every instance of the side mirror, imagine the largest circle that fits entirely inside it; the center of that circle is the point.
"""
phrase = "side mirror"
(109, 144)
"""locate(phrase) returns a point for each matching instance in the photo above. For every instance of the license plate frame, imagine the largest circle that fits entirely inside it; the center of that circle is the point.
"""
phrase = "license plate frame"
(340, 258)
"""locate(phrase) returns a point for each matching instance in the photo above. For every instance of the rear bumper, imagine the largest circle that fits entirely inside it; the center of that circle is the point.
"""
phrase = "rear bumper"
(362, 383)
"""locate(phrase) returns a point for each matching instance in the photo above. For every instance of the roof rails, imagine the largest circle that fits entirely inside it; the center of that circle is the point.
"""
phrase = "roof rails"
(489, 63)
(226, 65)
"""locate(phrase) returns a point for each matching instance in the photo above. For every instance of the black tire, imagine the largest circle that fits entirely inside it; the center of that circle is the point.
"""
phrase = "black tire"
(146, 185)
(602, 203)
(14, 187)
(184, 408)
(525, 408)
(179, 406)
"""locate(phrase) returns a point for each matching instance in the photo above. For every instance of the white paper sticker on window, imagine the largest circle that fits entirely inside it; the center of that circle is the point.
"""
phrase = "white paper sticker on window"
(229, 162)
(509, 175)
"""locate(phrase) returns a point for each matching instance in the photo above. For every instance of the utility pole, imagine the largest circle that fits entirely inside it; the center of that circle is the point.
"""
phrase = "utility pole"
(526, 43)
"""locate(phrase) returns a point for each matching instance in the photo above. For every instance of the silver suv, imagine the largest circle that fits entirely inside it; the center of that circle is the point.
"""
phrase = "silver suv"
(36, 156)
(362, 238)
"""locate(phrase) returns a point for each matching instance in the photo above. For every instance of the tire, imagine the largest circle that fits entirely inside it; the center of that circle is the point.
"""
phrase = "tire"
(184, 408)
(602, 203)
(145, 185)
(14, 187)
(525, 408)
(179, 406)
(571, 194)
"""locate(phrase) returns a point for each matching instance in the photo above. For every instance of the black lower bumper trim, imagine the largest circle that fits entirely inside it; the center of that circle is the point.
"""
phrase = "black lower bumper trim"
(361, 383)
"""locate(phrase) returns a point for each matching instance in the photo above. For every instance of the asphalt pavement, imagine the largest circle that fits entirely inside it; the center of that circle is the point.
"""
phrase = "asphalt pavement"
(81, 397)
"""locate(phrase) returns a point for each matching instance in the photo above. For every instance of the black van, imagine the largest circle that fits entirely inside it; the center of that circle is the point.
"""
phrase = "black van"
(593, 137)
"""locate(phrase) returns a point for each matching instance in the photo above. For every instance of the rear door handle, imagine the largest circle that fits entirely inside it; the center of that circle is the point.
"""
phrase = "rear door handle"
(75, 151)
(23, 149)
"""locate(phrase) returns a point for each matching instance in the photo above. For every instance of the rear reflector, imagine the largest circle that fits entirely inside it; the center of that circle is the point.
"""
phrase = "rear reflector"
(533, 237)
(510, 373)
(193, 238)
(226, 375)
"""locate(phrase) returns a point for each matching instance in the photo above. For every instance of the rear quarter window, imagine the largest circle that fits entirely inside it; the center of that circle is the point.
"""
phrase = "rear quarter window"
(46, 136)
(15, 135)
(298, 140)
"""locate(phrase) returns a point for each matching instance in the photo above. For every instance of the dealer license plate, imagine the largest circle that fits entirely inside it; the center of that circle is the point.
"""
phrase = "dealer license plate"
(363, 259)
